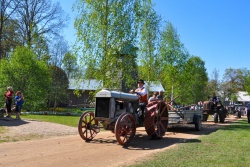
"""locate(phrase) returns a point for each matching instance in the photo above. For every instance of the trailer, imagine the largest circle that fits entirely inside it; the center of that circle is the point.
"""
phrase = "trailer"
(186, 116)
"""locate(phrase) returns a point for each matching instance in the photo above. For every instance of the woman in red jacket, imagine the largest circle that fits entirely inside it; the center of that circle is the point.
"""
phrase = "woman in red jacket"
(8, 100)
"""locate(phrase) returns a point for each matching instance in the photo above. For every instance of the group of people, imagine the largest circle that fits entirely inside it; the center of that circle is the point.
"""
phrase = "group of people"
(19, 99)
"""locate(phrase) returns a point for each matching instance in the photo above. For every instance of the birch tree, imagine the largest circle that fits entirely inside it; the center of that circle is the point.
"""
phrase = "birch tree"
(106, 39)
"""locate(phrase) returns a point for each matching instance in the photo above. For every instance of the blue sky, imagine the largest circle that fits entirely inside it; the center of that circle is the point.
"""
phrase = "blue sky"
(218, 31)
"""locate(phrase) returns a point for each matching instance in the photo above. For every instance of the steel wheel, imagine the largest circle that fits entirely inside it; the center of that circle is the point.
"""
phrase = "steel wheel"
(125, 128)
(88, 126)
(156, 118)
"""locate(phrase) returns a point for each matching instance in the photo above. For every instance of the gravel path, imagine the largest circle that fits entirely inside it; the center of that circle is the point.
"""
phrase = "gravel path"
(19, 130)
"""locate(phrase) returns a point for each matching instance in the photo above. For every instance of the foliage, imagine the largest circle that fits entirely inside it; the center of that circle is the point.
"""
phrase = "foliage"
(213, 84)
(196, 79)
(172, 57)
(70, 64)
(246, 79)
(57, 93)
(149, 43)
(111, 27)
(8, 27)
(40, 18)
(233, 81)
(25, 73)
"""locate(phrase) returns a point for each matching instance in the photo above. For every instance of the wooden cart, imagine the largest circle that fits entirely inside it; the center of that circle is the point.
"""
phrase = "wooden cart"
(119, 113)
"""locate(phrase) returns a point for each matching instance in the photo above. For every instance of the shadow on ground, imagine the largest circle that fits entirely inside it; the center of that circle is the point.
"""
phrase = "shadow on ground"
(11, 122)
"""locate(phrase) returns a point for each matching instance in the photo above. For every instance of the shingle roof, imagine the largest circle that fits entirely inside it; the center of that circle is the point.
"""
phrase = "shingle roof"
(84, 84)
(74, 84)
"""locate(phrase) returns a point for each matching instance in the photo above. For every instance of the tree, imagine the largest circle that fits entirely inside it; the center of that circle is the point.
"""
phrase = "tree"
(246, 80)
(59, 86)
(59, 48)
(25, 73)
(233, 81)
(8, 28)
(40, 18)
(195, 81)
(70, 64)
(172, 57)
(104, 29)
(149, 42)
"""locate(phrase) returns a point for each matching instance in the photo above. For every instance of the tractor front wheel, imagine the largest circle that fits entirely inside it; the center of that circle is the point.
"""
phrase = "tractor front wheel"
(88, 126)
(125, 128)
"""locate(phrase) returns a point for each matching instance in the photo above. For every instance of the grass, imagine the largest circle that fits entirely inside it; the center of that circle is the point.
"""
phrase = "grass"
(228, 146)
(65, 120)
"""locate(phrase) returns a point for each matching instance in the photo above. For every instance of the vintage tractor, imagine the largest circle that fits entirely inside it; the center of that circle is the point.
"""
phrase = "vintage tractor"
(119, 112)
(216, 109)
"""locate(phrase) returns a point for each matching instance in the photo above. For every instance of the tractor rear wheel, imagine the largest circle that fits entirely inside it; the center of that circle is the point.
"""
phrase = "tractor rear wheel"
(156, 118)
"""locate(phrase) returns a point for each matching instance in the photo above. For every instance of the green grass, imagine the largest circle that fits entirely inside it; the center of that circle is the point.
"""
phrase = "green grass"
(228, 146)
(65, 120)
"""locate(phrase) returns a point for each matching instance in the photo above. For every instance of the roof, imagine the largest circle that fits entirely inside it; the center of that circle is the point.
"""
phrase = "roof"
(243, 96)
(154, 86)
(80, 84)
(84, 84)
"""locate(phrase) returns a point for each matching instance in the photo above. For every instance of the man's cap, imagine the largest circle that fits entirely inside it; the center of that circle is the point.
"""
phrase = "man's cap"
(140, 81)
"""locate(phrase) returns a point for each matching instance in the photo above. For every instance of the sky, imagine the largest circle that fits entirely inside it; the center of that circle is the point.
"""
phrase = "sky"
(218, 31)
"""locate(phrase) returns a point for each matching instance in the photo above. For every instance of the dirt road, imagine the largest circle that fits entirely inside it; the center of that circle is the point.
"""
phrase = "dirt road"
(65, 151)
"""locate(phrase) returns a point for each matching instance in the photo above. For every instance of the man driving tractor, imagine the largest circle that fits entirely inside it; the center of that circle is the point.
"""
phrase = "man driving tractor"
(142, 93)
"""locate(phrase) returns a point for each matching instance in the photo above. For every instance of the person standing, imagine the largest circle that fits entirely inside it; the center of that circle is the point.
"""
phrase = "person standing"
(142, 93)
(248, 112)
(8, 100)
(18, 102)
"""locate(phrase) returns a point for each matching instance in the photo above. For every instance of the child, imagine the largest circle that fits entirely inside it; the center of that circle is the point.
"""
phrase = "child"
(18, 102)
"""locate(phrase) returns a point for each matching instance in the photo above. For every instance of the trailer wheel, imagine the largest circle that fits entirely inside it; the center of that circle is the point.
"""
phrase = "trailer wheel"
(156, 118)
(125, 128)
(197, 123)
(216, 117)
(221, 117)
(88, 126)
